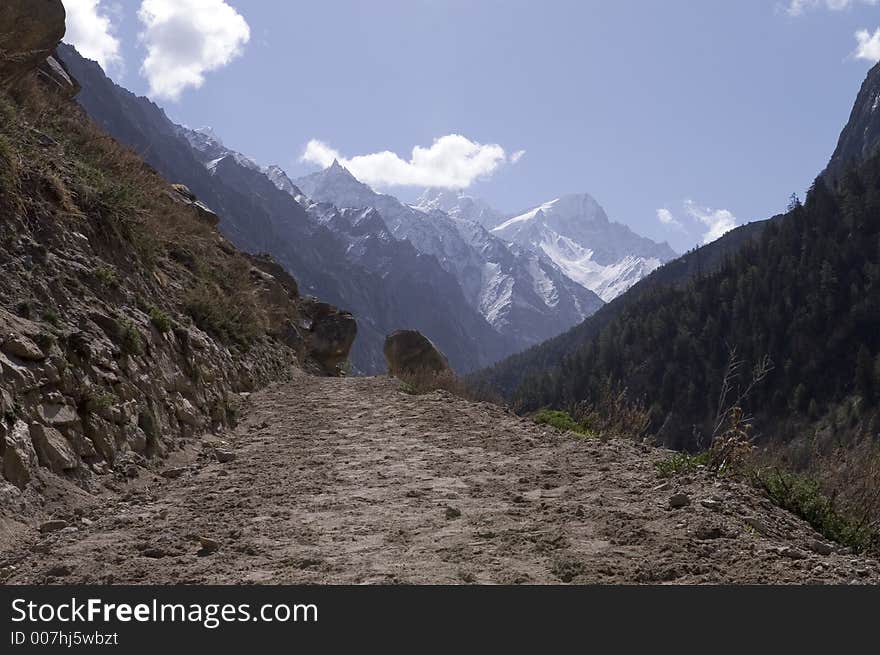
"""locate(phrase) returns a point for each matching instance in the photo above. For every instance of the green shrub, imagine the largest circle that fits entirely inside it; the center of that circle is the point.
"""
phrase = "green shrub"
(25, 309)
(97, 401)
(561, 421)
(803, 496)
(232, 320)
(45, 341)
(160, 320)
(51, 317)
(106, 276)
(8, 172)
(678, 463)
(131, 341)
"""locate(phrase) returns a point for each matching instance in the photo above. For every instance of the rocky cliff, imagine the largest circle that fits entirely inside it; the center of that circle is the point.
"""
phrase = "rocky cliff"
(860, 138)
(128, 324)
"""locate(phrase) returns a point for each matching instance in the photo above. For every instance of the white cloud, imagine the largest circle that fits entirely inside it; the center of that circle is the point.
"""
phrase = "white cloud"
(451, 162)
(91, 30)
(868, 45)
(186, 39)
(798, 7)
(665, 216)
(718, 221)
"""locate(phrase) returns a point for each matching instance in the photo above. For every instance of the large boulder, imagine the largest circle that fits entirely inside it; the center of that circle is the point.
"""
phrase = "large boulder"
(54, 74)
(29, 32)
(181, 194)
(53, 450)
(409, 351)
(331, 335)
(19, 456)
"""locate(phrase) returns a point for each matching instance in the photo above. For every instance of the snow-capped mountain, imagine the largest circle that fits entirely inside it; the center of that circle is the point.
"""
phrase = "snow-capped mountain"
(575, 233)
(520, 292)
(458, 205)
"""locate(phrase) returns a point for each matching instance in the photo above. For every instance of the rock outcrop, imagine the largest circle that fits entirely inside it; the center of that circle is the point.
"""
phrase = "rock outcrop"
(409, 351)
(128, 324)
(29, 32)
(860, 138)
(331, 335)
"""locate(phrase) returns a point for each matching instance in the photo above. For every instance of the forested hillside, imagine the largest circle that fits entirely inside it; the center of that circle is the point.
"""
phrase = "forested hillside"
(802, 302)
(507, 376)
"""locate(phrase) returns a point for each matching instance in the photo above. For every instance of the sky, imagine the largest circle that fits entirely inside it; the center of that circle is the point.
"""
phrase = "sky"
(682, 118)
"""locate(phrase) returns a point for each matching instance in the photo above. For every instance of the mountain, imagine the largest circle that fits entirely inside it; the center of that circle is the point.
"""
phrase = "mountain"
(520, 293)
(860, 138)
(258, 217)
(507, 376)
(460, 206)
(799, 293)
(575, 233)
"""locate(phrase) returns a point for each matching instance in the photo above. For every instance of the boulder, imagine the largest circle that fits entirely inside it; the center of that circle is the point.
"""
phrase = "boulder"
(29, 32)
(57, 414)
(409, 351)
(14, 375)
(22, 347)
(187, 414)
(53, 450)
(331, 335)
(102, 435)
(181, 194)
(54, 74)
(19, 458)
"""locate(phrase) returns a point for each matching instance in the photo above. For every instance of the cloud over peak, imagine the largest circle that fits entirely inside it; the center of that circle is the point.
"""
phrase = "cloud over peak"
(90, 30)
(868, 45)
(699, 222)
(798, 7)
(451, 162)
(185, 39)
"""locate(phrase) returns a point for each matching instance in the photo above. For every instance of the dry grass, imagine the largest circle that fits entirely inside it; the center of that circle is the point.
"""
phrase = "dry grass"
(425, 381)
(56, 165)
(614, 415)
(847, 475)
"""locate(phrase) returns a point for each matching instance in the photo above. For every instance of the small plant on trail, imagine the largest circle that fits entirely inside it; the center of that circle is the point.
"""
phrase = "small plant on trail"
(424, 381)
(679, 463)
(731, 450)
(561, 421)
(614, 414)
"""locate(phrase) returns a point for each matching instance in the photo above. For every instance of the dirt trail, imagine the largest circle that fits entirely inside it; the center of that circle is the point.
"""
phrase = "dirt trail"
(353, 481)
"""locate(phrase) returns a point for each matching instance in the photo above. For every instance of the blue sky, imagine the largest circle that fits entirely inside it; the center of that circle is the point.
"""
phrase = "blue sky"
(714, 111)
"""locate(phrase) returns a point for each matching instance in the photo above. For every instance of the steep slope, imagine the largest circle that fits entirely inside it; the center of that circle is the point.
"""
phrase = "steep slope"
(508, 375)
(860, 138)
(259, 217)
(522, 295)
(460, 206)
(128, 325)
(804, 295)
(575, 233)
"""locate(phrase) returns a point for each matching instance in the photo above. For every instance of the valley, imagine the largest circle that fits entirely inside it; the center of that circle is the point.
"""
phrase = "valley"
(214, 372)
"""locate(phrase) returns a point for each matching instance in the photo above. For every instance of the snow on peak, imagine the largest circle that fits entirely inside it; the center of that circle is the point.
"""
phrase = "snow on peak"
(210, 134)
(575, 233)
(459, 206)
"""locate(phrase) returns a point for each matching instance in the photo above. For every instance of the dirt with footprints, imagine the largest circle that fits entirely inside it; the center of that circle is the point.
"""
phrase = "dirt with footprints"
(354, 481)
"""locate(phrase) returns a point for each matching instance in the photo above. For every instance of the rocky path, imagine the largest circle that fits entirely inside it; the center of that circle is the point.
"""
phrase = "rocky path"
(353, 481)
